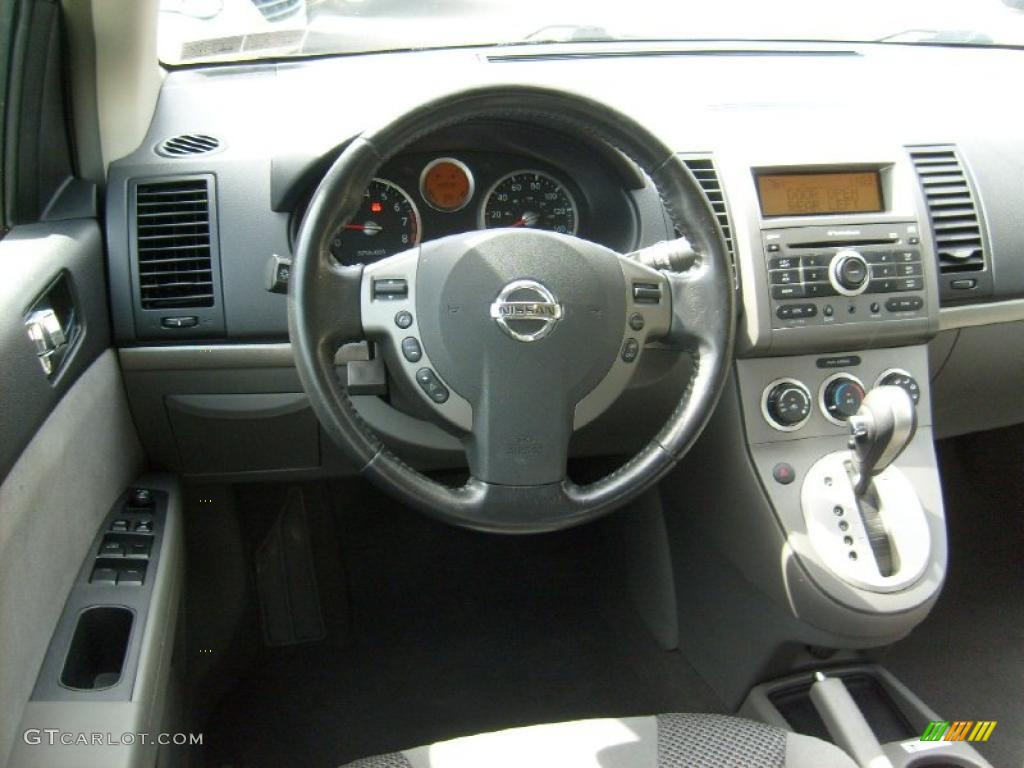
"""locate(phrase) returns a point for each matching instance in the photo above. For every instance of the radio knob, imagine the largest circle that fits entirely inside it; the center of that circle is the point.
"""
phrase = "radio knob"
(787, 405)
(842, 398)
(849, 273)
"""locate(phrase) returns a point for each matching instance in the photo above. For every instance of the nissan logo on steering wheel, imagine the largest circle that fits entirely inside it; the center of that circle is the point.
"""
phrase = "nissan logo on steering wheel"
(526, 310)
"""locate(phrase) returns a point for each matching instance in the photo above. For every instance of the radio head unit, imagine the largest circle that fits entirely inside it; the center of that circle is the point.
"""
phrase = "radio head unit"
(826, 276)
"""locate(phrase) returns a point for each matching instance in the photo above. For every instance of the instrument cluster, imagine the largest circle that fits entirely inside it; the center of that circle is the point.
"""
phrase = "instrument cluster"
(425, 196)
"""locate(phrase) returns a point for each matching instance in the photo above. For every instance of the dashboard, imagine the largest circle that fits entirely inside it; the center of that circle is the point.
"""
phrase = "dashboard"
(864, 211)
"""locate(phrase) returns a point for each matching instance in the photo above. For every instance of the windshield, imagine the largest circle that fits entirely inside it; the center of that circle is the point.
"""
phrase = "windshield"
(229, 30)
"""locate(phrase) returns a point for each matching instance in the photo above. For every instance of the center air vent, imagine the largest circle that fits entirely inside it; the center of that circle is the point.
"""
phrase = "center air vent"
(951, 209)
(704, 170)
(174, 244)
(187, 144)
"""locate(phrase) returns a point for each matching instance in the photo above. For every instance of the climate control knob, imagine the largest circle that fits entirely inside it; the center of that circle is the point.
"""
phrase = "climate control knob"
(896, 377)
(849, 272)
(787, 404)
(841, 396)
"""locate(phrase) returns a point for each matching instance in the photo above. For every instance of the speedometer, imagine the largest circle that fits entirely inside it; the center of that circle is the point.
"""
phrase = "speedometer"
(530, 199)
(386, 223)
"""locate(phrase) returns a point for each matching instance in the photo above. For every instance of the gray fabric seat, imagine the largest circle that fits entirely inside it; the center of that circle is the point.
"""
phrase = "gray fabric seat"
(665, 741)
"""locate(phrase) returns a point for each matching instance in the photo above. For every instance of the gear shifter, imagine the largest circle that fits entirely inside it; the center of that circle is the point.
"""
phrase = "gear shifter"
(880, 430)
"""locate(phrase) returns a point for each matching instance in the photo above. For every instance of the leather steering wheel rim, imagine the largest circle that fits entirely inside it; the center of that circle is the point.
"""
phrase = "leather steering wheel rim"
(325, 304)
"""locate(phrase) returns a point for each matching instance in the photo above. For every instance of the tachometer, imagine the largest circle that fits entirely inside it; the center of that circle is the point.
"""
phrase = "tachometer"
(386, 223)
(530, 199)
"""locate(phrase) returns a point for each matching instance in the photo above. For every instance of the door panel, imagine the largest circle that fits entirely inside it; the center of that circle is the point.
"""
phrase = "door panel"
(68, 447)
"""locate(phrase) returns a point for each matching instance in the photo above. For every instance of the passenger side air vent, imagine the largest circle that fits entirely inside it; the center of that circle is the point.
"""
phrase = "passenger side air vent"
(174, 244)
(956, 227)
(704, 170)
(187, 144)
(954, 218)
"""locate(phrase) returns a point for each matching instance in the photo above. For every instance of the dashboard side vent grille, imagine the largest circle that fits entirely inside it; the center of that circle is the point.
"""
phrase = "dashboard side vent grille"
(276, 10)
(951, 209)
(704, 171)
(173, 244)
(187, 144)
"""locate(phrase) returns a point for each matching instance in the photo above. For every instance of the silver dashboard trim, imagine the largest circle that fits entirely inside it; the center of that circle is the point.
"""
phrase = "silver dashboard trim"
(206, 357)
(990, 313)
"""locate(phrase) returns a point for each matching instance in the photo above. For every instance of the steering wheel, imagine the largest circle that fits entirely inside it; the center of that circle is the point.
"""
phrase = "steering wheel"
(512, 338)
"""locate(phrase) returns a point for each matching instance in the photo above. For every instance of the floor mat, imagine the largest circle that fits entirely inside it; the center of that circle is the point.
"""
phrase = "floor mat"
(450, 633)
(966, 660)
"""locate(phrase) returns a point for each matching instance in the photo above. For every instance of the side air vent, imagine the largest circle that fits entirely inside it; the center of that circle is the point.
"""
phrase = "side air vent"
(174, 244)
(187, 144)
(704, 170)
(278, 10)
(951, 209)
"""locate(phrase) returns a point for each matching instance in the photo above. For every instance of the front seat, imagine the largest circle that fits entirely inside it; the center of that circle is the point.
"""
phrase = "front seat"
(664, 741)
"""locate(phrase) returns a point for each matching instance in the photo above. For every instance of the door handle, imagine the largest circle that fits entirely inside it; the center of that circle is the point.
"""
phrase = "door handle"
(52, 325)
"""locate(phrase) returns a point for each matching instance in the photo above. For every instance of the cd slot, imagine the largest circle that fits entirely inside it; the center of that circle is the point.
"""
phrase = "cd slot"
(845, 243)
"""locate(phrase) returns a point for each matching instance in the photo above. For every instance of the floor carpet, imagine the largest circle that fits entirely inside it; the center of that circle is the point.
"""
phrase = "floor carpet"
(966, 660)
(445, 632)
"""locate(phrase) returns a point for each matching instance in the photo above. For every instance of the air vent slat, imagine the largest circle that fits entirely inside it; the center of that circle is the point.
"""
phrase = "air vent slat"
(173, 244)
(951, 209)
(187, 144)
(704, 171)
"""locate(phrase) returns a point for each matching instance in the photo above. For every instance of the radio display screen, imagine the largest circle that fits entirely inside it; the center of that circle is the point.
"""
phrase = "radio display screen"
(813, 194)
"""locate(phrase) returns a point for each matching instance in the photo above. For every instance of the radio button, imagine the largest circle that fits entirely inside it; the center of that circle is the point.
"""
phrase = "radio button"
(879, 257)
(784, 262)
(815, 260)
(788, 291)
(883, 270)
(882, 286)
(796, 311)
(784, 277)
(908, 270)
(813, 290)
(815, 275)
(904, 304)
(909, 284)
(908, 256)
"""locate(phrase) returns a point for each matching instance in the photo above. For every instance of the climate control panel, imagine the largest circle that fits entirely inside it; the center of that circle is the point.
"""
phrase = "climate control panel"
(787, 404)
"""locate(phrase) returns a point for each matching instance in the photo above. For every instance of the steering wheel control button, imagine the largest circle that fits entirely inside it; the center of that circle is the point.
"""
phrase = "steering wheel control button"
(411, 350)
(783, 473)
(403, 319)
(849, 273)
(390, 289)
(786, 404)
(841, 397)
(630, 350)
(431, 385)
(526, 310)
(636, 321)
(900, 378)
(646, 293)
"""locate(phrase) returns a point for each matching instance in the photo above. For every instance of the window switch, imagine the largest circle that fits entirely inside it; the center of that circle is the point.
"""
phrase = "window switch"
(138, 548)
(111, 549)
(119, 525)
(101, 575)
(143, 526)
(131, 576)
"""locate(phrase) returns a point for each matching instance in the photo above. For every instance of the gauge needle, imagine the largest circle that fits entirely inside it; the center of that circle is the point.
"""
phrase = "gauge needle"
(369, 228)
(528, 219)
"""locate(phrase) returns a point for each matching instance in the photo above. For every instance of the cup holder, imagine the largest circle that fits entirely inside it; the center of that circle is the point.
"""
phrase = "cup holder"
(98, 649)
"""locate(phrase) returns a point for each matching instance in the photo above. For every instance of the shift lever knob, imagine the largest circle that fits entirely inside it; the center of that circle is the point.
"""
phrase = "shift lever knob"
(880, 430)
